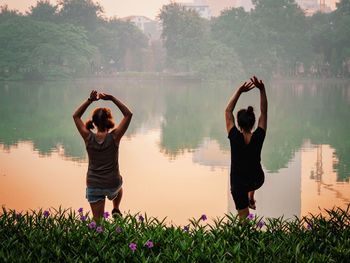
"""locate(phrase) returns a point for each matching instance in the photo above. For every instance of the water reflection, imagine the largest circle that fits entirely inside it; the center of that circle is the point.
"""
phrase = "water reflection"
(320, 185)
(177, 190)
(178, 131)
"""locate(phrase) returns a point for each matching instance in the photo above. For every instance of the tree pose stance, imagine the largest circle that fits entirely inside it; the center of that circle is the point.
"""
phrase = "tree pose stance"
(103, 177)
(246, 174)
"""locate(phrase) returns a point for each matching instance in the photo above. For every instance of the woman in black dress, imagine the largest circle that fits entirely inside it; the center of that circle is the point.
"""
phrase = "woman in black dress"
(246, 174)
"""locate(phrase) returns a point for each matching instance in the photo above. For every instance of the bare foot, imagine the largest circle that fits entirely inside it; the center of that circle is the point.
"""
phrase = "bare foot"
(116, 212)
(252, 204)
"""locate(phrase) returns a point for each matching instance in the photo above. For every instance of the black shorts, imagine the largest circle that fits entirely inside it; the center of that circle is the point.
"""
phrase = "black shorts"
(240, 193)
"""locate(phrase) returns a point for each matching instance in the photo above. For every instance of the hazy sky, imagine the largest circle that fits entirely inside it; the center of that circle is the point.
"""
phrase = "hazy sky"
(119, 8)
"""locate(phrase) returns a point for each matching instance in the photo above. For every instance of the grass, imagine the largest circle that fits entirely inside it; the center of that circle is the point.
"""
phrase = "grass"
(71, 236)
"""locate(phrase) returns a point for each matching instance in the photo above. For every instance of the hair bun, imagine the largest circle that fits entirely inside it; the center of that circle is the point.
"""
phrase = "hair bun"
(250, 109)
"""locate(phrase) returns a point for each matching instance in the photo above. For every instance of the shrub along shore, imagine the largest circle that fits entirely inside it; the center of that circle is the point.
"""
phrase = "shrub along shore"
(72, 236)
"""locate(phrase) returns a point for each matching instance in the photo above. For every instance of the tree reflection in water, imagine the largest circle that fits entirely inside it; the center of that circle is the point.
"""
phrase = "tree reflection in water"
(186, 112)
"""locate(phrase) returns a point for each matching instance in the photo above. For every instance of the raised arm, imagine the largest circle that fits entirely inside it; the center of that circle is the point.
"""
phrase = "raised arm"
(84, 132)
(263, 102)
(124, 123)
(230, 120)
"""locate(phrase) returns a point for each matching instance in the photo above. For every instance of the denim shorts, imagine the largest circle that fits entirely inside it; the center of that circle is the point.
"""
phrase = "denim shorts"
(94, 195)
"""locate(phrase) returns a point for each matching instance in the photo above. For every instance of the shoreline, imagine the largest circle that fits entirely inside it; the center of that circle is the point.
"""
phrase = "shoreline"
(159, 76)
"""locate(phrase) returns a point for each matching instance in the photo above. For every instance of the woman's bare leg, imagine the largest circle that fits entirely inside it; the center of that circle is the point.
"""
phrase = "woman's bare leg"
(251, 200)
(243, 213)
(118, 199)
(251, 195)
(98, 209)
(116, 203)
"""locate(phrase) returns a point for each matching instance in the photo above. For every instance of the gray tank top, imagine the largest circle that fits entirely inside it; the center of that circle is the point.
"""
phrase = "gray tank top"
(103, 171)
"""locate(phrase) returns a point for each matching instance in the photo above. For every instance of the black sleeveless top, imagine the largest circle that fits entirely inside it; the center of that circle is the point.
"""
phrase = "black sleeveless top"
(103, 171)
(245, 158)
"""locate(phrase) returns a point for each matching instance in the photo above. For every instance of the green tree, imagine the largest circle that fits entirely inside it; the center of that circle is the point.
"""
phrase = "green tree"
(115, 40)
(286, 24)
(85, 13)
(217, 61)
(131, 43)
(341, 43)
(35, 49)
(321, 38)
(191, 48)
(269, 39)
(6, 13)
(183, 34)
(44, 11)
(247, 38)
(330, 39)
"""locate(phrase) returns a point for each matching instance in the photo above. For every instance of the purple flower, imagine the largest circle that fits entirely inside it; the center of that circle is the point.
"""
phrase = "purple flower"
(260, 224)
(149, 244)
(80, 210)
(118, 229)
(203, 217)
(250, 216)
(141, 218)
(186, 228)
(309, 226)
(105, 215)
(83, 218)
(99, 229)
(92, 225)
(46, 213)
(18, 215)
(133, 246)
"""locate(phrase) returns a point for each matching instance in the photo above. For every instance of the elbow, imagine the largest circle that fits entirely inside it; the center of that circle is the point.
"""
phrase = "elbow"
(129, 114)
(75, 116)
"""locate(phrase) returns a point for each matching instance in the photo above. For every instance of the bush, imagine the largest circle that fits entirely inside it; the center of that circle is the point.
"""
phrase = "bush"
(69, 236)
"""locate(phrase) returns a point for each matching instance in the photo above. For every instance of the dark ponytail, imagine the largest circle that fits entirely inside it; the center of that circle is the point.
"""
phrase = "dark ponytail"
(246, 119)
(109, 124)
(89, 125)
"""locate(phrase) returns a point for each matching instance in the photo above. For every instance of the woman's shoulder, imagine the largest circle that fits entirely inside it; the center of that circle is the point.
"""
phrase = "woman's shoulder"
(234, 133)
(90, 136)
(259, 132)
(113, 137)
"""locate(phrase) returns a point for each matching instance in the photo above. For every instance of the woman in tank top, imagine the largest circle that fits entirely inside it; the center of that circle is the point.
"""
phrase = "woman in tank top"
(103, 176)
(246, 174)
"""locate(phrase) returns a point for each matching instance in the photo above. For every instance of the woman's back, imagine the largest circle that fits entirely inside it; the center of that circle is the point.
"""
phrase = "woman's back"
(103, 177)
(103, 170)
(245, 157)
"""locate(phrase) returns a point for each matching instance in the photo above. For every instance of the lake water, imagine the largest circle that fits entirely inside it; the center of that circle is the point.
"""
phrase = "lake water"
(175, 156)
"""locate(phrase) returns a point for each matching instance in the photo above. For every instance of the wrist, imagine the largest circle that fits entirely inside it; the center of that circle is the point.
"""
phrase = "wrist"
(89, 100)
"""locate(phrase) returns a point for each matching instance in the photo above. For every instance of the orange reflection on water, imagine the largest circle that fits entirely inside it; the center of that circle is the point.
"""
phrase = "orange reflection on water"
(177, 189)
(320, 189)
(31, 181)
(192, 184)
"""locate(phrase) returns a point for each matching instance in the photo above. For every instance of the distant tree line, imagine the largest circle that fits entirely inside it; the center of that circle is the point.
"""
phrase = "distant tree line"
(274, 38)
(69, 39)
(73, 38)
